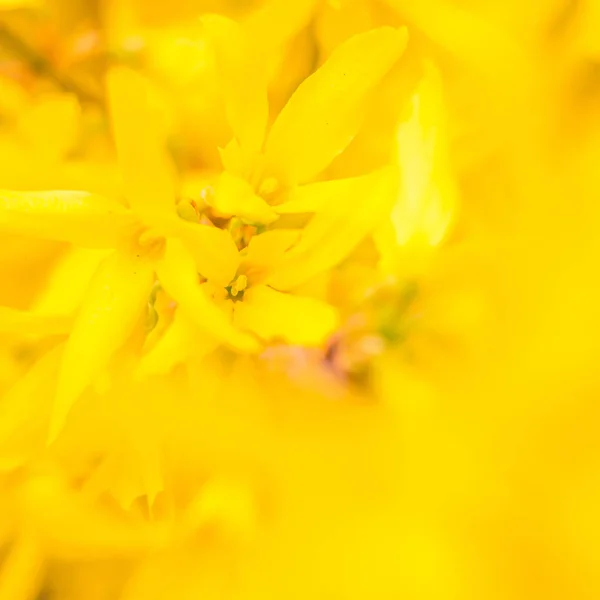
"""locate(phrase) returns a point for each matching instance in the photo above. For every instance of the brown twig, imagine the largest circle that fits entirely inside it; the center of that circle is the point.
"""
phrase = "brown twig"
(43, 67)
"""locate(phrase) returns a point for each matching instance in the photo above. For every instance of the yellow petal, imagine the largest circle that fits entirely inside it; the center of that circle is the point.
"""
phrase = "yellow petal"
(25, 411)
(333, 233)
(177, 274)
(33, 322)
(22, 569)
(277, 22)
(325, 112)
(243, 78)
(462, 33)
(179, 342)
(69, 280)
(147, 174)
(86, 220)
(213, 249)
(315, 197)
(268, 247)
(235, 196)
(114, 304)
(273, 315)
(427, 195)
(72, 529)
(133, 470)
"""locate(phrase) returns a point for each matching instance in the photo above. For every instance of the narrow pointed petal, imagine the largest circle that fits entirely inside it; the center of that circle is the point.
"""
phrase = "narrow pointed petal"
(270, 246)
(22, 569)
(316, 197)
(179, 342)
(72, 529)
(147, 174)
(333, 233)
(266, 250)
(325, 112)
(277, 22)
(69, 280)
(427, 196)
(25, 411)
(114, 303)
(34, 322)
(214, 252)
(463, 33)
(86, 220)
(235, 196)
(273, 315)
(244, 80)
(177, 274)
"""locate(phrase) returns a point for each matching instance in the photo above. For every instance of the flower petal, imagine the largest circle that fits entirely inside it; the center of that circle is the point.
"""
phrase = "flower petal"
(40, 323)
(269, 246)
(333, 233)
(70, 528)
(178, 343)
(213, 249)
(114, 303)
(177, 274)
(25, 411)
(319, 196)
(235, 196)
(244, 80)
(86, 220)
(325, 112)
(277, 22)
(147, 174)
(427, 195)
(274, 315)
(22, 571)
(69, 280)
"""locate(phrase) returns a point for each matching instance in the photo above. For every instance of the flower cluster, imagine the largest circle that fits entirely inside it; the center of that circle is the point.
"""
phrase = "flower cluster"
(297, 299)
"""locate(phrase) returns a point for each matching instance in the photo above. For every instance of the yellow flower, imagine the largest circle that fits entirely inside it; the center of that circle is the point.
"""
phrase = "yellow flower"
(268, 176)
(117, 296)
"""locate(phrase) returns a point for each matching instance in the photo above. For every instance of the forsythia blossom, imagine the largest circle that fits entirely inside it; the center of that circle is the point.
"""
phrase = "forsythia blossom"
(298, 299)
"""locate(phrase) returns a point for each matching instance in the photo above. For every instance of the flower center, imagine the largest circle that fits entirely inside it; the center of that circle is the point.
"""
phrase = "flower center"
(149, 244)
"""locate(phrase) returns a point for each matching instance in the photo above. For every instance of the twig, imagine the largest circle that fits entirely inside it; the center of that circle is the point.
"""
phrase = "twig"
(42, 66)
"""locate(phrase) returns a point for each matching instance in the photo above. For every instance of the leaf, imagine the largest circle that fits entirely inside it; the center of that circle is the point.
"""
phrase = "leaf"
(325, 112)
(86, 220)
(177, 274)
(273, 315)
(147, 174)
(113, 305)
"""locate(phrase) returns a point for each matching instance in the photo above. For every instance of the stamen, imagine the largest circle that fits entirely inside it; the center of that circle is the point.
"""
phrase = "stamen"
(239, 285)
